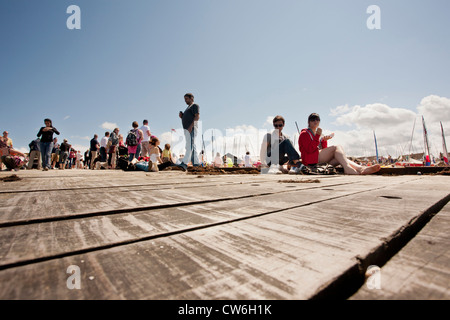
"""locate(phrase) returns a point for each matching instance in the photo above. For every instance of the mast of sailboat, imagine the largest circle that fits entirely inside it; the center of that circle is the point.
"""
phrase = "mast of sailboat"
(412, 134)
(298, 130)
(376, 146)
(444, 146)
(427, 145)
(212, 145)
(203, 150)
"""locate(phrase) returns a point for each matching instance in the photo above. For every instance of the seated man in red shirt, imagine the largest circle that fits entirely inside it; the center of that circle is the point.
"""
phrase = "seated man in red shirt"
(309, 141)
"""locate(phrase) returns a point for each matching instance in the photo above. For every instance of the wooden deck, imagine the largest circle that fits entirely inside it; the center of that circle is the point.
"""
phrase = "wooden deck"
(421, 270)
(172, 235)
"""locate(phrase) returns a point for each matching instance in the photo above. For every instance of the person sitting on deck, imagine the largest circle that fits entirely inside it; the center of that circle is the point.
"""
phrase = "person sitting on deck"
(155, 163)
(309, 141)
(218, 161)
(11, 158)
(286, 152)
(167, 154)
(278, 150)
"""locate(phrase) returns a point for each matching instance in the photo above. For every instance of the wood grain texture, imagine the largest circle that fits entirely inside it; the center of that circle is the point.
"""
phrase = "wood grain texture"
(214, 237)
(420, 271)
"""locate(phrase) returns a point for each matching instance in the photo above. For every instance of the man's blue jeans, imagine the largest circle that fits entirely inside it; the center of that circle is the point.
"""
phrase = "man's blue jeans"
(191, 150)
(46, 152)
(284, 148)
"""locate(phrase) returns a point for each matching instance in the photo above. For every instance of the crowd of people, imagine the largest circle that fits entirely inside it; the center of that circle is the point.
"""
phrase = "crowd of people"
(140, 150)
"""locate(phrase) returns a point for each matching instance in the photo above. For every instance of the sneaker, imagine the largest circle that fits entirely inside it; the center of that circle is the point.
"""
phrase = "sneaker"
(296, 170)
(150, 165)
(274, 169)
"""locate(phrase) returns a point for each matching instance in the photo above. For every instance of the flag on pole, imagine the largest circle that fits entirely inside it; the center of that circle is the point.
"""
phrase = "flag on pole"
(444, 146)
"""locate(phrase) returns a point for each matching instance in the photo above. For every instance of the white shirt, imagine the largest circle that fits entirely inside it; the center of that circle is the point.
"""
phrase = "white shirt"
(104, 142)
(153, 158)
(247, 161)
(145, 129)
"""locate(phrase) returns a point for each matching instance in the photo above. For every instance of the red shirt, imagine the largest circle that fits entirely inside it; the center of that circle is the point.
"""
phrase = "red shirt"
(309, 147)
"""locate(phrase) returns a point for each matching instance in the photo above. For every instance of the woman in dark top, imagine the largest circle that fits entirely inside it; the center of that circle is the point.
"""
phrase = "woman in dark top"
(46, 134)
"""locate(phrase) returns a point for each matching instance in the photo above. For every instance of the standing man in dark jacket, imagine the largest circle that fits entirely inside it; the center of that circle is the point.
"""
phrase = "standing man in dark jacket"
(46, 134)
(94, 150)
(189, 119)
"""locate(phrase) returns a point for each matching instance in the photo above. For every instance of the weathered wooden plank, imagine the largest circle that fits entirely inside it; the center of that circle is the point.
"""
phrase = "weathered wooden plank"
(45, 239)
(420, 271)
(62, 180)
(287, 255)
(24, 207)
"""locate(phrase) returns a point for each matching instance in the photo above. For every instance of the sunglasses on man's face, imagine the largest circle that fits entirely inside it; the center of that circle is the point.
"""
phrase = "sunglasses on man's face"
(278, 125)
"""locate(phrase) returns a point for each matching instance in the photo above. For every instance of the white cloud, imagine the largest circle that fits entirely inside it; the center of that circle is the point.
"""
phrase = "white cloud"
(66, 117)
(373, 116)
(80, 147)
(393, 127)
(23, 149)
(435, 109)
(269, 122)
(80, 137)
(109, 126)
(339, 110)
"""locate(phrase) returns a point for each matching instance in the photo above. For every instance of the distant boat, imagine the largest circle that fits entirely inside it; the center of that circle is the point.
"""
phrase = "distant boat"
(409, 163)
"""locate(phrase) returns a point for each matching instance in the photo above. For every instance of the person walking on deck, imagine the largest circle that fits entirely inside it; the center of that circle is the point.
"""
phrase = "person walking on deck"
(46, 135)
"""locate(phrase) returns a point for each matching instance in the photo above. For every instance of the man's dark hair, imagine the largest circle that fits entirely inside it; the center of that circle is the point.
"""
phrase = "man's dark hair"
(145, 122)
(278, 118)
(190, 95)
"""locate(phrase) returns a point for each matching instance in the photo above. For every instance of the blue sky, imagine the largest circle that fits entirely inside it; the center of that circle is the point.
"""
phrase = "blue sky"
(244, 61)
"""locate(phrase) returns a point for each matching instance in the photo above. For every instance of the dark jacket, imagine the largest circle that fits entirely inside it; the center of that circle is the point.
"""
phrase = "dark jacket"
(35, 145)
(47, 136)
